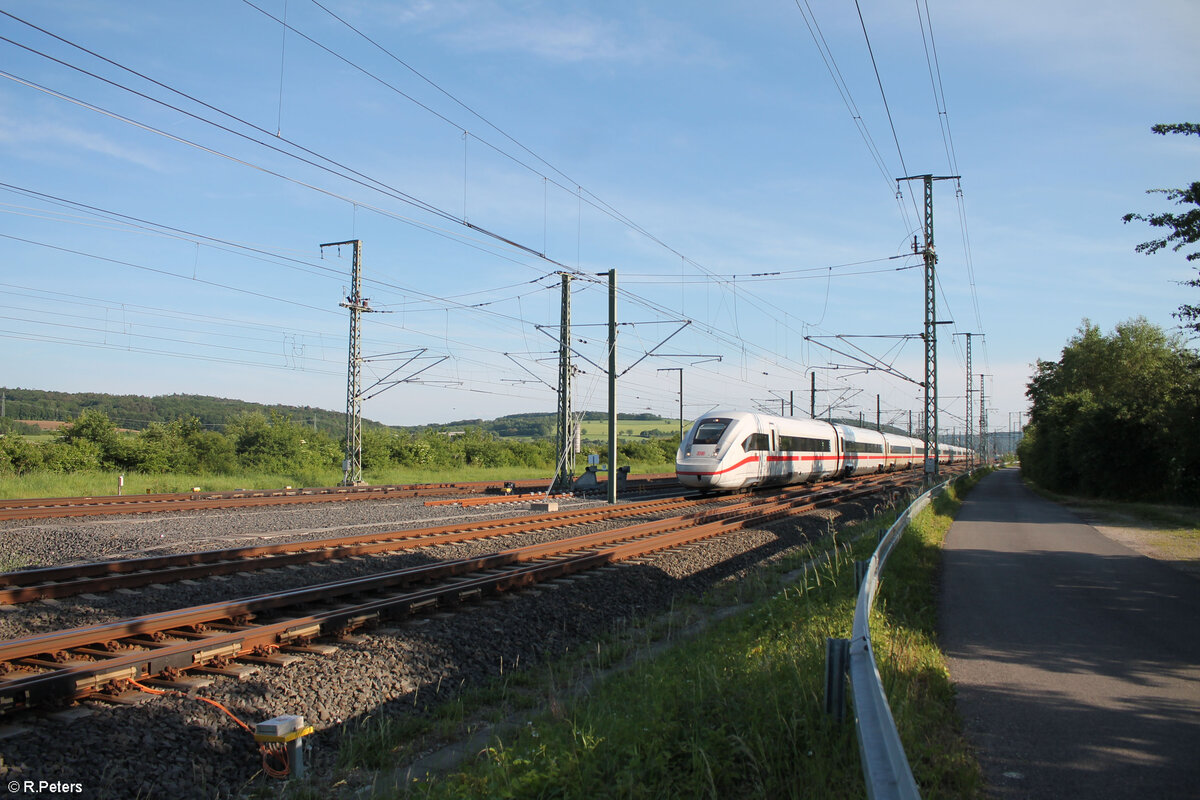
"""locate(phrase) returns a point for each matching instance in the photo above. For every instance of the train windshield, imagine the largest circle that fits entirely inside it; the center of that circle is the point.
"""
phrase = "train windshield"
(709, 431)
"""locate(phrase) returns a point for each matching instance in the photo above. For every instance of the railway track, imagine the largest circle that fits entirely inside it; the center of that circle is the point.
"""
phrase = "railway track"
(44, 508)
(77, 663)
(47, 583)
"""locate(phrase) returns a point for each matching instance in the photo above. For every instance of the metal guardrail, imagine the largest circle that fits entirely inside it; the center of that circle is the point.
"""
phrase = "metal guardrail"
(885, 766)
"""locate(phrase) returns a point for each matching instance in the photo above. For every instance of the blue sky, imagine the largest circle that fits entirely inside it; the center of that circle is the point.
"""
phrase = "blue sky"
(702, 150)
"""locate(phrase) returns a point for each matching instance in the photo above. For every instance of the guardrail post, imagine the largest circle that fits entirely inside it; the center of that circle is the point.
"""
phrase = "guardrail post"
(860, 572)
(837, 663)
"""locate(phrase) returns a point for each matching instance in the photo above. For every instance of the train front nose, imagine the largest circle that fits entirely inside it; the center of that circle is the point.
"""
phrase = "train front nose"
(696, 468)
(698, 457)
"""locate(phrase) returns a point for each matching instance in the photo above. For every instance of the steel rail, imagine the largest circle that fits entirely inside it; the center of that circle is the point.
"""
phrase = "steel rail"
(65, 580)
(166, 497)
(56, 582)
(467, 487)
(61, 640)
(86, 507)
(49, 507)
(552, 559)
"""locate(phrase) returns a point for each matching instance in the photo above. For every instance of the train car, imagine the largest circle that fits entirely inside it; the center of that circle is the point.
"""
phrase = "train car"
(728, 450)
(865, 450)
(903, 452)
(953, 454)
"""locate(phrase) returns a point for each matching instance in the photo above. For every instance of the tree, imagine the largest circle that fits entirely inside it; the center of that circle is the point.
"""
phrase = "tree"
(1117, 416)
(1184, 228)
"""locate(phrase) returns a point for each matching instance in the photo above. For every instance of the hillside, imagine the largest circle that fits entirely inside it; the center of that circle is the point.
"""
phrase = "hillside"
(595, 425)
(135, 412)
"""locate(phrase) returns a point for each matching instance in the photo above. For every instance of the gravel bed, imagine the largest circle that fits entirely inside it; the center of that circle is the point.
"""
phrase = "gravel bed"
(179, 748)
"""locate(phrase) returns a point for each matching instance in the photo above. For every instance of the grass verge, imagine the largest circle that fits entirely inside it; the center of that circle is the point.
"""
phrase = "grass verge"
(103, 483)
(1163, 531)
(1166, 516)
(735, 711)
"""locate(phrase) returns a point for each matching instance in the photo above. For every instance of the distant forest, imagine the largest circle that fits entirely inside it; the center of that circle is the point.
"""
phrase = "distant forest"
(541, 424)
(136, 412)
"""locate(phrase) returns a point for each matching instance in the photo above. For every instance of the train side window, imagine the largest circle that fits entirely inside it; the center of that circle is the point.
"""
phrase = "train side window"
(756, 441)
(804, 443)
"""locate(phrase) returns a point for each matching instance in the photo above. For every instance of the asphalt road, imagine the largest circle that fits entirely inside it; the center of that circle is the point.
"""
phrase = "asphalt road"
(1077, 660)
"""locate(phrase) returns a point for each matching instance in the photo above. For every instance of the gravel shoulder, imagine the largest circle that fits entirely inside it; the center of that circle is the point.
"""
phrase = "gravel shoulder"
(1161, 539)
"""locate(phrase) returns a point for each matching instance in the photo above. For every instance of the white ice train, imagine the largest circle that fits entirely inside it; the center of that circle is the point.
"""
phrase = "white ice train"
(738, 449)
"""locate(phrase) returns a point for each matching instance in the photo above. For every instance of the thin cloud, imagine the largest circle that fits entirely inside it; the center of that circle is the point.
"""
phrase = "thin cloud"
(566, 39)
(35, 137)
(545, 31)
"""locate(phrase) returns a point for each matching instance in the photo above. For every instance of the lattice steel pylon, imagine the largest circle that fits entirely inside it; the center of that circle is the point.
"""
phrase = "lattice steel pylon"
(352, 465)
(983, 422)
(930, 334)
(564, 435)
(969, 434)
(970, 421)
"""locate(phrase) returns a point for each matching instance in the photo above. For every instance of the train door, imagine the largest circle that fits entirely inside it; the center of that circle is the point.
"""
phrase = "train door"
(757, 447)
(773, 465)
(833, 465)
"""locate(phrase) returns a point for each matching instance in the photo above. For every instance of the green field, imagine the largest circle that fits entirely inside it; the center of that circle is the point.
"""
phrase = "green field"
(626, 428)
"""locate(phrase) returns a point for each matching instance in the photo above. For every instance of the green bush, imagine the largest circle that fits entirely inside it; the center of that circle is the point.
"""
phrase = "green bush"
(1117, 416)
(71, 457)
(276, 444)
(209, 452)
(17, 456)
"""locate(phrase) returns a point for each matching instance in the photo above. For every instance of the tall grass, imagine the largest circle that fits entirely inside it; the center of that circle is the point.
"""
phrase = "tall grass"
(736, 712)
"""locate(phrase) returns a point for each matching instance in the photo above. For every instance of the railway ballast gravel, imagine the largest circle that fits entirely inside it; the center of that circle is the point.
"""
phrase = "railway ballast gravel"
(176, 747)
